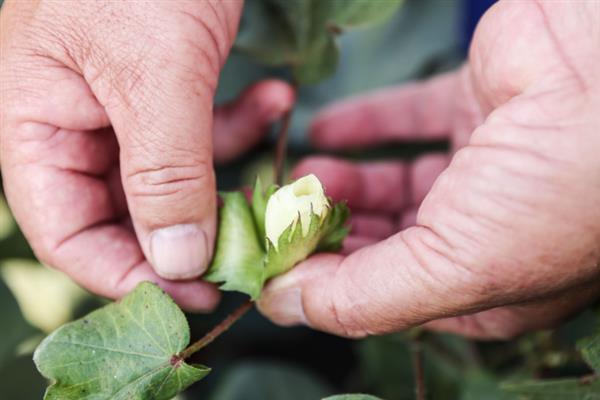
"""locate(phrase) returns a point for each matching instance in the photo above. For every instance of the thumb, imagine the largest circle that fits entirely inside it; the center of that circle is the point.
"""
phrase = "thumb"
(403, 281)
(162, 113)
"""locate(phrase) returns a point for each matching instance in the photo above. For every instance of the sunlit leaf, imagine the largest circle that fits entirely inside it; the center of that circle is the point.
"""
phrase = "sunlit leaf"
(7, 222)
(125, 350)
(47, 298)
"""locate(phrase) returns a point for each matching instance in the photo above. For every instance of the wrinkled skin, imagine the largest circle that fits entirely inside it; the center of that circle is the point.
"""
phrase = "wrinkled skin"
(108, 136)
(500, 237)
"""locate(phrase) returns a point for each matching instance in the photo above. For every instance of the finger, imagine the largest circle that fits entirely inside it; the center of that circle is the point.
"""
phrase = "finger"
(379, 186)
(120, 266)
(78, 231)
(372, 225)
(341, 296)
(423, 173)
(417, 111)
(408, 218)
(163, 120)
(508, 322)
(240, 125)
(384, 187)
(61, 186)
(355, 242)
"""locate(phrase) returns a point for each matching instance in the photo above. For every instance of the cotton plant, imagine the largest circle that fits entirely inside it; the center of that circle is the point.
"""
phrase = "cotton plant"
(146, 334)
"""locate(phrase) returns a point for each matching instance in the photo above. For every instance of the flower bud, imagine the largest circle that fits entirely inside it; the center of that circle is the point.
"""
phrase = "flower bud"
(300, 198)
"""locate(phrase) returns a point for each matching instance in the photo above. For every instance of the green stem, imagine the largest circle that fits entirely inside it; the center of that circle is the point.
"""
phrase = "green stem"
(417, 357)
(281, 147)
(214, 333)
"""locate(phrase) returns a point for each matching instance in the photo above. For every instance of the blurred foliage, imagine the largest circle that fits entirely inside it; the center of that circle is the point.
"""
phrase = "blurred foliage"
(255, 358)
(301, 34)
(46, 297)
(269, 381)
(15, 328)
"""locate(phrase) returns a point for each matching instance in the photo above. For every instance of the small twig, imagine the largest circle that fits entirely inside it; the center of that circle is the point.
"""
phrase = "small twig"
(417, 361)
(215, 332)
(280, 151)
(281, 147)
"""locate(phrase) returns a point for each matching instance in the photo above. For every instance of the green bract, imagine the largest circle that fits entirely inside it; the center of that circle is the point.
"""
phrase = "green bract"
(125, 350)
(245, 259)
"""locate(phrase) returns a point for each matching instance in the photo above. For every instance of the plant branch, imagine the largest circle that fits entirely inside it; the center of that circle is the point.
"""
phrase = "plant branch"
(417, 359)
(282, 139)
(215, 332)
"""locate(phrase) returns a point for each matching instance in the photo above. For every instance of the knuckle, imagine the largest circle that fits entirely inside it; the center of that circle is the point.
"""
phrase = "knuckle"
(346, 316)
(126, 77)
(45, 249)
(170, 181)
(347, 325)
(208, 24)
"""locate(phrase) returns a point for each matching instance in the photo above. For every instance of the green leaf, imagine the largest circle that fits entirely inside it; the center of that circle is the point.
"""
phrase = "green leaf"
(301, 33)
(125, 350)
(238, 260)
(480, 384)
(558, 389)
(361, 13)
(319, 61)
(269, 381)
(357, 396)
(590, 350)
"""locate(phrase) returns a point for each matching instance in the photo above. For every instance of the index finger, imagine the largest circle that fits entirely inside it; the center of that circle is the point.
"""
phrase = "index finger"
(415, 111)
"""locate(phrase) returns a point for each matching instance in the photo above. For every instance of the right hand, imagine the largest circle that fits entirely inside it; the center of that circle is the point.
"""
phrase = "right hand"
(107, 141)
(498, 237)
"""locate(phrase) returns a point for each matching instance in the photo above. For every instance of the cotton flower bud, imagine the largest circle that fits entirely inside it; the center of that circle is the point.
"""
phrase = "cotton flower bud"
(300, 198)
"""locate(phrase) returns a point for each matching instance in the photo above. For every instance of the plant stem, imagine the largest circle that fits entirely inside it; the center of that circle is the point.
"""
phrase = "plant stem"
(417, 358)
(281, 147)
(216, 331)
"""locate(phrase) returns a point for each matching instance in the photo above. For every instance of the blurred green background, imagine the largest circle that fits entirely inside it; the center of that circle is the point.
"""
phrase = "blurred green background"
(256, 360)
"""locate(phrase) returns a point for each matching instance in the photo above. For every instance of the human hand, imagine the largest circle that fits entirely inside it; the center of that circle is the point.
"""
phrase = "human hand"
(107, 136)
(501, 236)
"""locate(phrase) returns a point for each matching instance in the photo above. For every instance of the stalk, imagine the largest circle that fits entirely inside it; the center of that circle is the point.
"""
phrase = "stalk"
(214, 333)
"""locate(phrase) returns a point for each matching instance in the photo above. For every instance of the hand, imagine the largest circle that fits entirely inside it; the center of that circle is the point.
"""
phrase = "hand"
(501, 236)
(107, 136)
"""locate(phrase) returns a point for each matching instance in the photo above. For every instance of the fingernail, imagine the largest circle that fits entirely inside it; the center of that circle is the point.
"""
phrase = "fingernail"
(284, 307)
(179, 251)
